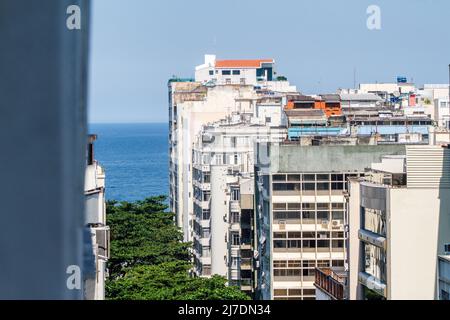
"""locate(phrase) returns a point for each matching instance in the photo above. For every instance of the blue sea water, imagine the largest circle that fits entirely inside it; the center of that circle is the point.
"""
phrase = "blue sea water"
(135, 157)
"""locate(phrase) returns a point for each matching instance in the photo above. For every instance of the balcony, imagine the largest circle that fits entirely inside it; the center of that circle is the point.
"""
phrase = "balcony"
(372, 238)
(372, 283)
(246, 263)
(235, 206)
(332, 281)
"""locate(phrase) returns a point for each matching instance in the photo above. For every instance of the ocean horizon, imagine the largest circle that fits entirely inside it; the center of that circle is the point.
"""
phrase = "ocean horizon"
(135, 159)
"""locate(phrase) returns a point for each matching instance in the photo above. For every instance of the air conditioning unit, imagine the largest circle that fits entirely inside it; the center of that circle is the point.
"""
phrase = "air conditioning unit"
(282, 224)
(324, 223)
(335, 224)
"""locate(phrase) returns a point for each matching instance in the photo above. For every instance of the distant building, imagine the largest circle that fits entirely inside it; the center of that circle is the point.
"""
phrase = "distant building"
(300, 210)
(95, 220)
(399, 223)
(223, 188)
(194, 103)
(244, 72)
(442, 112)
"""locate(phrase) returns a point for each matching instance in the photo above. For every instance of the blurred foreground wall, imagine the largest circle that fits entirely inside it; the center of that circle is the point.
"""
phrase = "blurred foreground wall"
(43, 80)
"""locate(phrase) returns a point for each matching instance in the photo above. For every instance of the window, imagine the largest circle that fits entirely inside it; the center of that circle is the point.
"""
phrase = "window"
(235, 217)
(294, 206)
(279, 206)
(206, 252)
(206, 195)
(268, 119)
(279, 177)
(234, 262)
(206, 214)
(206, 232)
(235, 239)
(293, 177)
(206, 270)
(226, 72)
(447, 248)
(236, 72)
(235, 194)
(211, 72)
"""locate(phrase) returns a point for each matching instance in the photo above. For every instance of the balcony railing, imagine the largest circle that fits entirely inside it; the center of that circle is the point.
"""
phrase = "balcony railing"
(331, 282)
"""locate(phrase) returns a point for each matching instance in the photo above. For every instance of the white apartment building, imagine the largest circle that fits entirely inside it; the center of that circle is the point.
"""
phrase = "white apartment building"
(300, 212)
(194, 103)
(95, 221)
(442, 112)
(235, 71)
(399, 218)
(223, 188)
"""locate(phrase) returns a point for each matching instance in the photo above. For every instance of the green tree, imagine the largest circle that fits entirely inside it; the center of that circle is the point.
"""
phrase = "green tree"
(149, 261)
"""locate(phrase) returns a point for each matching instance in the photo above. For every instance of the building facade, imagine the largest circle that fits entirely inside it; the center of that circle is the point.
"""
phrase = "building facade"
(194, 103)
(95, 222)
(300, 211)
(399, 217)
(223, 186)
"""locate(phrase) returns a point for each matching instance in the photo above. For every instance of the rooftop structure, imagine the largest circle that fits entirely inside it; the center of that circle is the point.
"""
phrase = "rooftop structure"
(243, 72)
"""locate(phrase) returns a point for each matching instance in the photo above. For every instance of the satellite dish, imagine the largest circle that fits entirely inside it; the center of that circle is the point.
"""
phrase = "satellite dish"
(396, 94)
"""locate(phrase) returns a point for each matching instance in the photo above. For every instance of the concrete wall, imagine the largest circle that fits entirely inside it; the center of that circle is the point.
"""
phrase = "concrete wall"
(419, 226)
(296, 158)
(219, 226)
(353, 244)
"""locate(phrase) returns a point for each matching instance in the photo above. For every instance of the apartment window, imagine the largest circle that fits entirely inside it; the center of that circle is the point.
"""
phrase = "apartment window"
(206, 232)
(268, 119)
(310, 292)
(447, 248)
(211, 72)
(234, 262)
(294, 206)
(309, 177)
(323, 206)
(323, 243)
(235, 217)
(279, 206)
(236, 72)
(308, 206)
(233, 141)
(206, 214)
(226, 72)
(235, 194)
(235, 239)
(279, 244)
(279, 177)
(206, 251)
(206, 270)
(206, 195)
(293, 177)
(337, 263)
(337, 243)
(236, 159)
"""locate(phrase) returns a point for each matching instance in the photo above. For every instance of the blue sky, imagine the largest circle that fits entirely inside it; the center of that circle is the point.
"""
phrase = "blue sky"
(137, 45)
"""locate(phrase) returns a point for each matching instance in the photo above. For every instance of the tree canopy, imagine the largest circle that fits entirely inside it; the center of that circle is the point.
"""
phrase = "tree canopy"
(149, 261)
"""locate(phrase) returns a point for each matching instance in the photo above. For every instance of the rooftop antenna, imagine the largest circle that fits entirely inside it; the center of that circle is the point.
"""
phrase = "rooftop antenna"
(354, 78)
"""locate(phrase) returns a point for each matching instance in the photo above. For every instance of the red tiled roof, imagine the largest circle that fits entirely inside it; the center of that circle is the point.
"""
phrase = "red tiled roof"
(242, 63)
